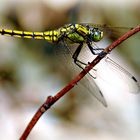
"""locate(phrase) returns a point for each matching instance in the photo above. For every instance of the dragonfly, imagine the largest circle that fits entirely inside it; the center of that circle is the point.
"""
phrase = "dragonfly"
(85, 36)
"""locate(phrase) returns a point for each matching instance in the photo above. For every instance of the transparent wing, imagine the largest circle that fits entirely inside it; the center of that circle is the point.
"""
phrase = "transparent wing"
(111, 31)
(65, 54)
(126, 80)
(131, 82)
(89, 83)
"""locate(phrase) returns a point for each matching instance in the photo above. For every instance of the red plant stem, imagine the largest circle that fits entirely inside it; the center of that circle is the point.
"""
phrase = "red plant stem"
(52, 99)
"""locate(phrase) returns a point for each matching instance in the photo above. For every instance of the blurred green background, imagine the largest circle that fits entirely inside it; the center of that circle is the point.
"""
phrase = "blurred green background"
(29, 72)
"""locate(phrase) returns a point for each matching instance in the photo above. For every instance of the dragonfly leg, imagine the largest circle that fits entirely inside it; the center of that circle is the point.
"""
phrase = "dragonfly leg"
(76, 61)
(94, 49)
(98, 49)
(76, 54)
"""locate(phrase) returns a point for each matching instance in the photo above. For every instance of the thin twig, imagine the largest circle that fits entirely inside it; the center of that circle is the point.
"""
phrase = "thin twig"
(52, 99)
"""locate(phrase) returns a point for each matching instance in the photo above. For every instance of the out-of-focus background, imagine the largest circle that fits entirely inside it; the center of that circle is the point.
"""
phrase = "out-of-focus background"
(29, 72)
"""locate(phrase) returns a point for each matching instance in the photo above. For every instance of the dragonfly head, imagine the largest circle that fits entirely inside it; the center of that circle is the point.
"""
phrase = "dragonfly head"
(96, 34)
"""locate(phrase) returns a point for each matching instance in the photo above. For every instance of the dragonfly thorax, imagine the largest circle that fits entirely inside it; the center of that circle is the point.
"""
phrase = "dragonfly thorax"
(77, 33)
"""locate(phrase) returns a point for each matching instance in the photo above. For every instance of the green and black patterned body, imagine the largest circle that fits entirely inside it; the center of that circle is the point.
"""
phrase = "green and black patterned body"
(73, 33)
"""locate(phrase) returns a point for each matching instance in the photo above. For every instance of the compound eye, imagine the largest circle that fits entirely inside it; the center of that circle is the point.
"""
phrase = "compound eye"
(97, 36)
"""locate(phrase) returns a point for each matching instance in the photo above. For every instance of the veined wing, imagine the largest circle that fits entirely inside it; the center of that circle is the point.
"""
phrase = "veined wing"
(130, 81)
(103, 26)
(112, 31)
(88, 81)
(126, 79)
(90, 85)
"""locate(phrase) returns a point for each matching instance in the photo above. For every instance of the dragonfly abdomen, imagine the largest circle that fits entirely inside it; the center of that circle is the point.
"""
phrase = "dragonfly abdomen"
(50, 36)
